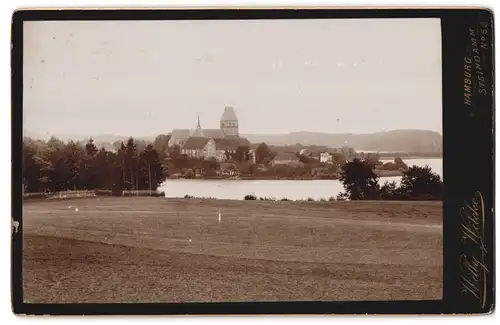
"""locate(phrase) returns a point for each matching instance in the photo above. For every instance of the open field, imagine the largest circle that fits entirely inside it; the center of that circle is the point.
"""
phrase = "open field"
(138, 250)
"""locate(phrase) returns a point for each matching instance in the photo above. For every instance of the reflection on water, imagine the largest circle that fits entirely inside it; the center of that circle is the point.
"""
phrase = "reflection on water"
(291, 189)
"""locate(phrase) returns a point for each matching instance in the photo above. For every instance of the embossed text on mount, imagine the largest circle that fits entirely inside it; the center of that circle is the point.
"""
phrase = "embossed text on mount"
(474, 78)
(472, 263)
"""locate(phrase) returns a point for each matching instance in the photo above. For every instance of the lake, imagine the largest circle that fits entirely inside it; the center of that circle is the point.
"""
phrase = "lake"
(291, 189)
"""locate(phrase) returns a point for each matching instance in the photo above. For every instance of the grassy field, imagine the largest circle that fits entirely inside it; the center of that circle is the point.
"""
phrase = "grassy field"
(139, 250)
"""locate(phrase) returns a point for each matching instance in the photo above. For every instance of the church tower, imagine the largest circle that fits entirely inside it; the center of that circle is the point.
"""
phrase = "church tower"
(229, 123)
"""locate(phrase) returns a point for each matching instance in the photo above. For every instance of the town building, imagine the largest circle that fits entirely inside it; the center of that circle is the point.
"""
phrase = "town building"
(314, 153)
(286, 158)
(325, 157)
(198, 147)
(228, 129)
(220, 143)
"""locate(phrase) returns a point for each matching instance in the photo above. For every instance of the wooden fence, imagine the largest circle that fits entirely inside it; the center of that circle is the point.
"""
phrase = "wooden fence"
(88, 193)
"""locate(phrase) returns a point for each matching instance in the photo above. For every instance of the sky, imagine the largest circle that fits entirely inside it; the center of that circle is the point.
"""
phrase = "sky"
(144, 78)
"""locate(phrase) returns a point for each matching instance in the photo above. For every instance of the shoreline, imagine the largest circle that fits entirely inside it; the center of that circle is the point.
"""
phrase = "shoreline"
(380, 174)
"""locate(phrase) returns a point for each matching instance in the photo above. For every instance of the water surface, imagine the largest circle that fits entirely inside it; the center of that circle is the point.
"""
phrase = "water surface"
(291, 189)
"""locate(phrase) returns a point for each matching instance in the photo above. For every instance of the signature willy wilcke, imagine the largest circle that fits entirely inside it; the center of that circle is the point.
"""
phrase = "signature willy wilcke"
(474, 271)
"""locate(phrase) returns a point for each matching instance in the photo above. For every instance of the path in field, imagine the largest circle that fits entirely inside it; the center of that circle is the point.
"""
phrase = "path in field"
(138, 250)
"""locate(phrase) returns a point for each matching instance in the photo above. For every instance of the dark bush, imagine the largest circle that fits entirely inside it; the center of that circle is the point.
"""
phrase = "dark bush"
(359, 180)
(342, 197)
(390, 191)
(421, 183)
(250, 197)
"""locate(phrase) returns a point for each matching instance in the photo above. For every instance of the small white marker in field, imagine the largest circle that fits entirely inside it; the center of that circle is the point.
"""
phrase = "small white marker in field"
(190, 241)
(219, 216)
(76, 209)
(69, 207)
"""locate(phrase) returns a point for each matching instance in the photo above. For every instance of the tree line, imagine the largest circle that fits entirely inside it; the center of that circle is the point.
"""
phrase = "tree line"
(361, 183)
(53, 165)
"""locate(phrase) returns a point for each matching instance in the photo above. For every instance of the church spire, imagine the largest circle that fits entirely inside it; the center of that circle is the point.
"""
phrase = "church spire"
(198, 132)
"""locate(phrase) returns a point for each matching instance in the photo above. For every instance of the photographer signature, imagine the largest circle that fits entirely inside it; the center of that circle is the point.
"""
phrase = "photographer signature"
(474, 271)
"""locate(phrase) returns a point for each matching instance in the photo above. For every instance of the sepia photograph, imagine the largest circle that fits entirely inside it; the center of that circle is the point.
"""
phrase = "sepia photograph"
(257, 160)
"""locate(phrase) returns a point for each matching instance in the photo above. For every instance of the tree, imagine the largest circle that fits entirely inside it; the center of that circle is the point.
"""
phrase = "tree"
(88, 174)
(108, 167)
(152, 168)
(338, 160)
(373, 157)
(399, 164)
(189, 173)
(262, 153)
(359, 180)
(421, 183)
(160, 144)
(55, 143)
(241, 154)
(60, 170)
(210, 166)
(140, 145)
(73, 154)
(390, 191)
(59, 166)
(34, 167)
(348, 153)
(174, 151)
(247, 168)
(122, 162)
(90, 148)
(117, 145)
(131, 163)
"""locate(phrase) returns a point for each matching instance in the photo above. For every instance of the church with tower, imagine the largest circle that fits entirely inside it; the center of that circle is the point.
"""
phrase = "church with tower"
(215, 143)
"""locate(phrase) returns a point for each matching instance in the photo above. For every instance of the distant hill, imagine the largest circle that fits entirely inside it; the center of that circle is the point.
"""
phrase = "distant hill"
(396, 140)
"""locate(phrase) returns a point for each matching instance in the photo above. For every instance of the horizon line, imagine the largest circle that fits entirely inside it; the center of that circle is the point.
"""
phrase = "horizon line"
(244, 133)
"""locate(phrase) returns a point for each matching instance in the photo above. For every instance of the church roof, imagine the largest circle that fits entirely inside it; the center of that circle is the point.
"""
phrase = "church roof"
(228, 114)
(195, 143)
(225, 144)
(231, 144)
(213, 133)
(181, 133)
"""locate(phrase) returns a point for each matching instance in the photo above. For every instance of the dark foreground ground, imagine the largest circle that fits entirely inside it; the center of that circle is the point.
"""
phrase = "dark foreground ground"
(138, 250)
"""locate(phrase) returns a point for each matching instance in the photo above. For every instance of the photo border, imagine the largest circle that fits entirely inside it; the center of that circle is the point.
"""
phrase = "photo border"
(468, 160)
